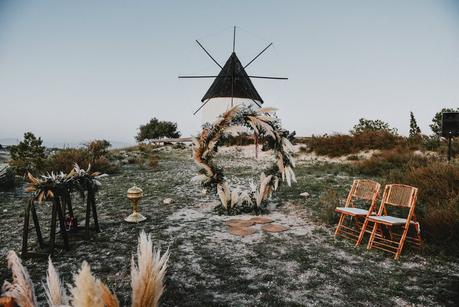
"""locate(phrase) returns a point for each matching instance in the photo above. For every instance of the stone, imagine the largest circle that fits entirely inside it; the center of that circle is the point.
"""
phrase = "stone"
(260, 220)
(273, 228)
(305, 194)
(239, 223)
(241, 231)
(168, 201)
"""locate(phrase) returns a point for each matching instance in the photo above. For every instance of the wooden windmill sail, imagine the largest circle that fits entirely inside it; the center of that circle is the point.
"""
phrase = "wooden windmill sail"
(232, 81)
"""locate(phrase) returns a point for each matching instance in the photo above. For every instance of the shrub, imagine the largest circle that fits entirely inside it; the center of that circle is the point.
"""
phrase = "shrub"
(365, 125)
(342, 144)
(438, 198)
(152, 161)
(328, 201)
(64, 159)
(98, 148)
(388, 162)
(156, 129)
(28, 155)
(331, 145)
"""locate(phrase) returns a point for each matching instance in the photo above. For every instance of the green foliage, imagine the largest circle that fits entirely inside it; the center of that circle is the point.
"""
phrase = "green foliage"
(436, 120)
(156, 129)
(366, 125)
(29, 155)
(415, 131)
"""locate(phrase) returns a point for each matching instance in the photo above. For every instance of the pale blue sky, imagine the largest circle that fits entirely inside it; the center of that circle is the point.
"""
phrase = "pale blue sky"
(76, 70)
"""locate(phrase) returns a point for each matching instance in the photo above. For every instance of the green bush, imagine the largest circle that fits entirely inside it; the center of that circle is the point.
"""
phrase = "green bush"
(156, 129)
(28, 156)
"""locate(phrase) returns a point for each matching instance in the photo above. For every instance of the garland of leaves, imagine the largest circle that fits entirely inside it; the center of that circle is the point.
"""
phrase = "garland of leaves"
(211, 176)
(47, 186)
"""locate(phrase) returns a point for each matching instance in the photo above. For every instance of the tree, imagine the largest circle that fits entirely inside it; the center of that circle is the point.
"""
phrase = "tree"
(29, 155)
(156, 129)
(366, 125)
(436, 120)
(414, 128)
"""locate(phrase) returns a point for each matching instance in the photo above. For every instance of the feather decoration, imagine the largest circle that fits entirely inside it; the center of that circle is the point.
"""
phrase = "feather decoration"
(54, 290)
(21, 289)
(263, 125)
(147, 277)
(266, 110)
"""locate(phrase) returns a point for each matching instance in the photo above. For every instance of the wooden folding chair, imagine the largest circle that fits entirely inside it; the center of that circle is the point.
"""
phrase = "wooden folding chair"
(364, 190)
(403, 197)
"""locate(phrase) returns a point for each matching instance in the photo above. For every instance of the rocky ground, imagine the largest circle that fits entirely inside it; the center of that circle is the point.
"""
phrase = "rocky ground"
(304, 265)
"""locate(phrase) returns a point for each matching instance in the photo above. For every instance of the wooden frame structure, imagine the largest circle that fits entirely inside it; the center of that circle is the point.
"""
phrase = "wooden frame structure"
(367, 191)
(61, 203)
(402, 196)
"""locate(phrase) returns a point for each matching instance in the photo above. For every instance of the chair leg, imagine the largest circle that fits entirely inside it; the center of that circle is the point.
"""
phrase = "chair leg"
(362, 232)
(340, 222)
(402, 242)
(372, 236)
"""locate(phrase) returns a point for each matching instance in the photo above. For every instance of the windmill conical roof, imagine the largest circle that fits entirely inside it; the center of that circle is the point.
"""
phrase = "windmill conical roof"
(232, 81)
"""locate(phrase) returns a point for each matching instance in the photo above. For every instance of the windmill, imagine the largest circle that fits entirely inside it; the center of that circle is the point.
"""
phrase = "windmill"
(232, 81)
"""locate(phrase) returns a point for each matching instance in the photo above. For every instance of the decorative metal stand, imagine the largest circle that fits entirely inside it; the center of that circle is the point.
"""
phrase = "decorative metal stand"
(61, 203)
(134, 194)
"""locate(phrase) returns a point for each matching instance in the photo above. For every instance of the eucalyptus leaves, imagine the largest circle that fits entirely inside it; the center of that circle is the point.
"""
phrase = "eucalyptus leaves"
(265, 126)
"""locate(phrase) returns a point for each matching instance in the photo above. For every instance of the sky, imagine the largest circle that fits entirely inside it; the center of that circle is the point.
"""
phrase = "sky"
(71, 71)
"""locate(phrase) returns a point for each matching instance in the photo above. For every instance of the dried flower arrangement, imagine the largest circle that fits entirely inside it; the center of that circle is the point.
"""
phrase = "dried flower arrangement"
(263, 124)
(44, 187)
(147, 281)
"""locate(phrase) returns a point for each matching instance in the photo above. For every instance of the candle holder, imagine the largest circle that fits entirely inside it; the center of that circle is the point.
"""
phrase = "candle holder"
(135, 194)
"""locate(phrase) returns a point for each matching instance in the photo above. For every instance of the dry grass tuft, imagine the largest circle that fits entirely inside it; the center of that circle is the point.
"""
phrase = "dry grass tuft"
(21, 289)
(147, 277)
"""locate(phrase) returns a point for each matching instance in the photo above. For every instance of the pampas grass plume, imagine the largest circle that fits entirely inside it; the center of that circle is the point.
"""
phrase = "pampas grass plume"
(147, 277)
(21, 289)
(55, 292)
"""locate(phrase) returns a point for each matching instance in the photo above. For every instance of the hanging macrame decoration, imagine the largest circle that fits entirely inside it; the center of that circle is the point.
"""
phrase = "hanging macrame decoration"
(267, 128)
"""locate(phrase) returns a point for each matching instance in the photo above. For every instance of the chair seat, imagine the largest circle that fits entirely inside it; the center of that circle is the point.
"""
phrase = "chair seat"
(352, 211)
(387, 219)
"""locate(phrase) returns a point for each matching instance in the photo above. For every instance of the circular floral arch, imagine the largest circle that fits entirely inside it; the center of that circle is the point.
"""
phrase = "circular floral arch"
(267, 128)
